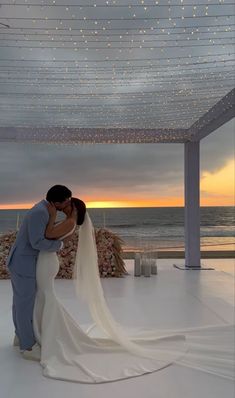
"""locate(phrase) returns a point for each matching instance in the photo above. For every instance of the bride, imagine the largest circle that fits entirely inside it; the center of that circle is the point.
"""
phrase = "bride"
(106, 352)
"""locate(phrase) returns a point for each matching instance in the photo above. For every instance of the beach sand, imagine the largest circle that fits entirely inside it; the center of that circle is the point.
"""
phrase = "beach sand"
(230, 254)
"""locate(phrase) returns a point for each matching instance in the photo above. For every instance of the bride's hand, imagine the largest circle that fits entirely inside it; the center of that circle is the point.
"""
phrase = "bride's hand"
(51, 210)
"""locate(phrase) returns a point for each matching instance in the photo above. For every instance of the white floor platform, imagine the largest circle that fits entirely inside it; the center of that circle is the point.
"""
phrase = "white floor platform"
(172, 299)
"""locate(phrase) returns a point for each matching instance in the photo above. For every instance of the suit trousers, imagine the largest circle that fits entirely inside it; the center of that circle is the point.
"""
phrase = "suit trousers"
(24, 292)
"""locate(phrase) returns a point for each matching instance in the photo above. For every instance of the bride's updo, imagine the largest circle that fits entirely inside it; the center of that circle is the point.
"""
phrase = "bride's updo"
(81, 209)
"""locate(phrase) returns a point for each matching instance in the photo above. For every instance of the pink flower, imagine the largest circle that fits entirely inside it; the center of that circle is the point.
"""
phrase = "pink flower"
(109, 251)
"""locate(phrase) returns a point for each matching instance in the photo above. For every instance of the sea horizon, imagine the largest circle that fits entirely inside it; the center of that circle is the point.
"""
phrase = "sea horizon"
(151, 228)
(121, 207)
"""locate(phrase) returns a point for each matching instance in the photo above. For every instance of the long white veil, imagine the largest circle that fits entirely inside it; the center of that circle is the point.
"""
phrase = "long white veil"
(206, 348)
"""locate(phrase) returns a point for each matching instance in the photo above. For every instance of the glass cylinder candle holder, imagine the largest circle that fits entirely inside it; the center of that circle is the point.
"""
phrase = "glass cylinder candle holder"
(137, 265)
(147, 269)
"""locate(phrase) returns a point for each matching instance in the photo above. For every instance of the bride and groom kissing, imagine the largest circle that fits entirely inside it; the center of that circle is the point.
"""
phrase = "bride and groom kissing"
(44, 329)
(39, 233)
(102, 352)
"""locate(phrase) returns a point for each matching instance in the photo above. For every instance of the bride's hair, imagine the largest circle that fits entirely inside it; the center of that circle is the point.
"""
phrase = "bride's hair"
(81, 209)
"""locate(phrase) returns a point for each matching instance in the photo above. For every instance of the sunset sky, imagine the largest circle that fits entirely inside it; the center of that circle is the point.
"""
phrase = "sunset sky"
(131, 175)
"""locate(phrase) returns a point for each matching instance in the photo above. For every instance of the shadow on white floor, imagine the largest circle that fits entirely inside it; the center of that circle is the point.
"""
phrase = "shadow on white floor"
(172, 299)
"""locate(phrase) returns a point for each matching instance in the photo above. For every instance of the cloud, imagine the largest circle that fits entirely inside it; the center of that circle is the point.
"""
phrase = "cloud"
(221, 182)
(27, 171)
(218, 147)
(105, 171)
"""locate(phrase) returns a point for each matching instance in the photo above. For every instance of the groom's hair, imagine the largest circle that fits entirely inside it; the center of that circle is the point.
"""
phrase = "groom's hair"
(81, 209)
(58, 193)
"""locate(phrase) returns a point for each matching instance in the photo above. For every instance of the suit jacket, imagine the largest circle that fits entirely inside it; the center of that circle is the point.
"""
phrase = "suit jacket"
(30, 241)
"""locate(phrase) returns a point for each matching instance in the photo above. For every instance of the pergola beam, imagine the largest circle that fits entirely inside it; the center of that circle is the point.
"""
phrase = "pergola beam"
(219, 114)
(92, 135)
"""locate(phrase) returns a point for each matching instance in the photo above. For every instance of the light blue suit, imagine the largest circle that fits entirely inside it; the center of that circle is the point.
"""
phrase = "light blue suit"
(21, 262)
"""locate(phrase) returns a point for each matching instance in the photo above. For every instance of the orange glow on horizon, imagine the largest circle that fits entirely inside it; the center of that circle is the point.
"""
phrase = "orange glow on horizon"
(16, 206)
(162, 202)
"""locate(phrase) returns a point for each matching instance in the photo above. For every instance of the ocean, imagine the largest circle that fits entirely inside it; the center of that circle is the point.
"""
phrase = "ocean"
(158, 228)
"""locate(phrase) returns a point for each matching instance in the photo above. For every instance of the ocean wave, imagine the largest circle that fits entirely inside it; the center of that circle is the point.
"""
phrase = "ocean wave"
(146, 223)
(122, 225)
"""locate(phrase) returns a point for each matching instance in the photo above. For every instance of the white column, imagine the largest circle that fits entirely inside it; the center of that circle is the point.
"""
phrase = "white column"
(192, 204)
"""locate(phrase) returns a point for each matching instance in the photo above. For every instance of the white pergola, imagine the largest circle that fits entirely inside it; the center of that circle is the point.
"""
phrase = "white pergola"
(118, 71)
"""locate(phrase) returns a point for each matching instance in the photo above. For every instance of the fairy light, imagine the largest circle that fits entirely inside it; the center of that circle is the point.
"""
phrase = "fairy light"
(180, 84)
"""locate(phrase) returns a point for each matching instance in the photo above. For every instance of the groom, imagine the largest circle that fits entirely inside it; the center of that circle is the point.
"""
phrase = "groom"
(21, 263)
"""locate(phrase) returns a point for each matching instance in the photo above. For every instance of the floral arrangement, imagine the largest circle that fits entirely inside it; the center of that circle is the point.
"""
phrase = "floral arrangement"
(109, 248)
(6, 241)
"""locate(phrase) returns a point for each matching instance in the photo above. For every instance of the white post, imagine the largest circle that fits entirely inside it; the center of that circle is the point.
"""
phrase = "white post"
(192, 204)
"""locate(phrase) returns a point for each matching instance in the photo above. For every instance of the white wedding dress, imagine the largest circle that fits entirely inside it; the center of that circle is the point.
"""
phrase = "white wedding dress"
(107, 352)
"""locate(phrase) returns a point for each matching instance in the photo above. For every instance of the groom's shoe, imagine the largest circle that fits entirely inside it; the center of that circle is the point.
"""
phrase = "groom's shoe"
(34, 354)
(16, 341)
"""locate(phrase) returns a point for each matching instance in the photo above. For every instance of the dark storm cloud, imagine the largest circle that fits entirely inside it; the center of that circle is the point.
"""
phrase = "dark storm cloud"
(28, 170)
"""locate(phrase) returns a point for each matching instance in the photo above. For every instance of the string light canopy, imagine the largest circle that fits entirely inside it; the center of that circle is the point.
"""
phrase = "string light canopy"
(115, 71)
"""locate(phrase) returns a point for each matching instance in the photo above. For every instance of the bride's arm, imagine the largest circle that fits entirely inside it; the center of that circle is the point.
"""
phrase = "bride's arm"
(56, 231)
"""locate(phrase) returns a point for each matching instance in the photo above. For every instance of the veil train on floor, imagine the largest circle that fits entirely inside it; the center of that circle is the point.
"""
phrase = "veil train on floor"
(209, 348)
